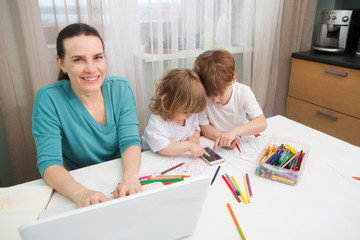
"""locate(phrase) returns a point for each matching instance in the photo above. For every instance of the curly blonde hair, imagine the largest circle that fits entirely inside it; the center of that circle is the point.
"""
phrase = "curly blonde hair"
(178, 91)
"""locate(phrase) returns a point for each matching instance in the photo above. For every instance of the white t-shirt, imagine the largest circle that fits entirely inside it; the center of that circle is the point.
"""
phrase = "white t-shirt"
(233, 114)
(160, 133)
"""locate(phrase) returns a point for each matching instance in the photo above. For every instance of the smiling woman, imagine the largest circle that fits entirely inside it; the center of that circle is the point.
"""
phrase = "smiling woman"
(86, 118)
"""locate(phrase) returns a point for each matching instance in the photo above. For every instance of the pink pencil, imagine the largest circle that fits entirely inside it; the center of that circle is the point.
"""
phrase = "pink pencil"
(297, 154)
(144, 177)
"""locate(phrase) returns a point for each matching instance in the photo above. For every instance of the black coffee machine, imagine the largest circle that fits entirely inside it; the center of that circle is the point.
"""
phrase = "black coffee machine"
(338, 31)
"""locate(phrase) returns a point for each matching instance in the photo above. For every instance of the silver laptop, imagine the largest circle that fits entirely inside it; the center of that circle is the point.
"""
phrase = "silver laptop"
(169, 212)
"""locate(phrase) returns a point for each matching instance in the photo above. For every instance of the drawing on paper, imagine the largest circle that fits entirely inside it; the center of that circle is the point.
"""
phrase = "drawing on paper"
(192, 166)
(250, 147)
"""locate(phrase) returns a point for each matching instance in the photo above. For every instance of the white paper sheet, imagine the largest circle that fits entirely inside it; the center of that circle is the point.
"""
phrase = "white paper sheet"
(250, 147)
(20, 205)
(348, 167)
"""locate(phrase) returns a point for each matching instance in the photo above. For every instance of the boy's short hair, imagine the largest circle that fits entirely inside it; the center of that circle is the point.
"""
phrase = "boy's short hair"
(178, 91)
(216, 69)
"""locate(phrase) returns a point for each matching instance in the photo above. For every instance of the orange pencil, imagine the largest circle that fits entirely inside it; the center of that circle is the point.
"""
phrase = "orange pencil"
(357, 178)
(236, 222)
(266, 151)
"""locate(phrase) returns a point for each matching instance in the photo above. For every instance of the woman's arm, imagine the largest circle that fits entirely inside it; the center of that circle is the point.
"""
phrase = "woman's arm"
(131, 161)
(61, 180)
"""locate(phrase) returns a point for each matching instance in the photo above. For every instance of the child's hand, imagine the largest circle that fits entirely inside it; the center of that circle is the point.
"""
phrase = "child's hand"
(233, 144)
(225, 140)
(194, 139)
(197, 150)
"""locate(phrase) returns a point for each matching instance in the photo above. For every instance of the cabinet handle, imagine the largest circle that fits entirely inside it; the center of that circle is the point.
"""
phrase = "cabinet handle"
(326, 115)
(327, 70)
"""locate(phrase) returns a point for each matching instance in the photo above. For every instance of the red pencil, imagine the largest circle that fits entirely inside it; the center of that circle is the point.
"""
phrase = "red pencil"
(237, 147)
(357, 178)
(232, 190)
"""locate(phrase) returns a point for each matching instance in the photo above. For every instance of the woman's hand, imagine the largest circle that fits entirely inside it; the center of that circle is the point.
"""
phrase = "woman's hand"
(86, 197)
(128, 186)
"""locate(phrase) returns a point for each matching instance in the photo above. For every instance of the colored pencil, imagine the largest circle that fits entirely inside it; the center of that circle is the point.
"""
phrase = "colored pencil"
(247, 189)
(282, 179)
(238, 147)
(172, 168)
(291, 149)
(144, 177)
(162, 180)
(217, 170)
(175, 176)
(236, 222)
(232, 190)
(357, 178)
(241, 194)
(265, 153)
(232, 184)
(248, 183)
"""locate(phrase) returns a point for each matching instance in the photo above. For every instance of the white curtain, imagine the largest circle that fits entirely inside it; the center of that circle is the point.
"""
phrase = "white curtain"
(142, 39)
(174, 32)
(122, 47)
(266, 52)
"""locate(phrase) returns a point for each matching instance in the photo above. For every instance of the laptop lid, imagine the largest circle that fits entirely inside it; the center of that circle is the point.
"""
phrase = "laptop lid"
(169, 212)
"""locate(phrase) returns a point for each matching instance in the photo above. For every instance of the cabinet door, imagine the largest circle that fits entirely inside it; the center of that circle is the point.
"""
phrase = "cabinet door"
(331, 122)
(333, 87)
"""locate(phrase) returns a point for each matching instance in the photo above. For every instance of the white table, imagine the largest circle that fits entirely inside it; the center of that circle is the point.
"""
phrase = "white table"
(323, 204)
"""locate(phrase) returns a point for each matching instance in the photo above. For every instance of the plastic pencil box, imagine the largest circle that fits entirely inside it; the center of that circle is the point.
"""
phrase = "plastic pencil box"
(282, 160)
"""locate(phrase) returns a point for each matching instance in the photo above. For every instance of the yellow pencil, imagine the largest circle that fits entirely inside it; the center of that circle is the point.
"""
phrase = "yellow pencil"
(282, 179)
(247, 189)
(291, 149)
(241, 194)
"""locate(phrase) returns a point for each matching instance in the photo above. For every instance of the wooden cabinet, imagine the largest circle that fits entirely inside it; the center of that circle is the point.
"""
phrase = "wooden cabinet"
(325, 97)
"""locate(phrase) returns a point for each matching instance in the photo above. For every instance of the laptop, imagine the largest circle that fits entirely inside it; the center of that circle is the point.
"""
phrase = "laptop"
(168, 212)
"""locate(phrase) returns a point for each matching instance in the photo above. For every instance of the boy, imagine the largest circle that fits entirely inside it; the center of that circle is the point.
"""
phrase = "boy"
(229, 104)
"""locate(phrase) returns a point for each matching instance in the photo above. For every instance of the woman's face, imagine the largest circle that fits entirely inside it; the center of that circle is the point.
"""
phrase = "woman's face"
(84, 62)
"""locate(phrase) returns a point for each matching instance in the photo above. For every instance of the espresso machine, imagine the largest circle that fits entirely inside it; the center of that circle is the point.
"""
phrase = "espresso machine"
(338, 31)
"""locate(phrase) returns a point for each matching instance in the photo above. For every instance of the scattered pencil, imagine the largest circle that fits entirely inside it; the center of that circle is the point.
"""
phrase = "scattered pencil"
(232, 190)
(247, 189)
(172, 168)
(236, 222)
(217, 170)
(241, 194)
(248, 183)
(144, 177)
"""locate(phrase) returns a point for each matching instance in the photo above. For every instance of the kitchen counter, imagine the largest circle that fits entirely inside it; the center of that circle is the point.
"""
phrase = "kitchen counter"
(343, 60)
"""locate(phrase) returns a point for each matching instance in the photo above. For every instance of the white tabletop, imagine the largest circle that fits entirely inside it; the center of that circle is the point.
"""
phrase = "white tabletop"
(322, 205)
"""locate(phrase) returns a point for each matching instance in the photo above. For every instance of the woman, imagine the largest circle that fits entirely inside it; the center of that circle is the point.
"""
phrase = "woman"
(85, 119)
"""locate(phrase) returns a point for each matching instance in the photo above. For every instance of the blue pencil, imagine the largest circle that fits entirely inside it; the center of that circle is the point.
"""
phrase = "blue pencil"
(217, 170)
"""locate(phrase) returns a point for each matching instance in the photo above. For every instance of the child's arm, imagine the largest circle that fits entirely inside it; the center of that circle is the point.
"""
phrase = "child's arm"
(195, 137)
(254, 126)
(210, 131)
(175, 148)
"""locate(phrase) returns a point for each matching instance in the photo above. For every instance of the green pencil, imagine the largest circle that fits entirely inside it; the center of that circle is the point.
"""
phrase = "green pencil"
(162, 180)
